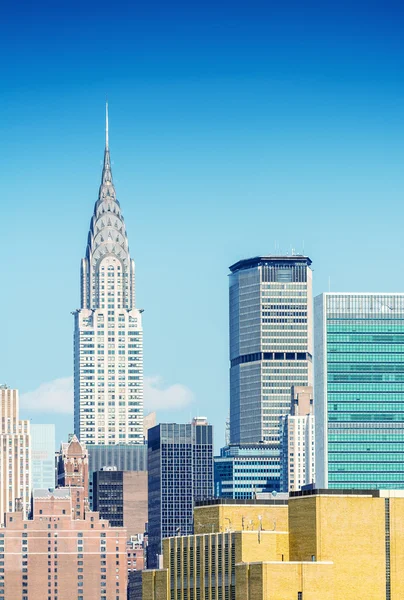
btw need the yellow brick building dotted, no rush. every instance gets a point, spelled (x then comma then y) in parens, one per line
(323, 545)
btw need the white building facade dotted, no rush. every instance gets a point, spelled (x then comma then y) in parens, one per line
(15, 455)
(271, 343)
(298, 439)
(108, 337)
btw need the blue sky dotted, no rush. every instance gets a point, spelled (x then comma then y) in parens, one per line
(235, 130)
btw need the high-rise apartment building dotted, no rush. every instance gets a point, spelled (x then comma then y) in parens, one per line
(108, 337)
(121, 498)
(55, 556)
(15, 455)
(359, 390)
(297, 453)
(43, 456)
(270, 343)
(180, 467)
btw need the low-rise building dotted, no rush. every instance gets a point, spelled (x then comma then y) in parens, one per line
(319, 545)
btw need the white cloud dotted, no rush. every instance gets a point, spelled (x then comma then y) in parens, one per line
(57, 396)
(52, 397)
(158, 397)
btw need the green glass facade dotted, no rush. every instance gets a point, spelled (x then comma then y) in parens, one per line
(359, 390)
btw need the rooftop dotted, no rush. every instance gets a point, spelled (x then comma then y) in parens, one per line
(341, 492)
(62, 493)
(243, 501)
(248, 263)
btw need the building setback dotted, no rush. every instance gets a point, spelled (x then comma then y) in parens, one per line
(108, 335)
(359, 390)
(55, 556)
(298, 455)
(180, 466)
(15, 455)
(121, 498)
(43, 455)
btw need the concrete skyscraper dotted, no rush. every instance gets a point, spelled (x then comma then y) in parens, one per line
(270, 343)
(108, 339)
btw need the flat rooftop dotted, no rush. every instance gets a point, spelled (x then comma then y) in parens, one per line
(243, 501)
(248, 263)
(341, 492)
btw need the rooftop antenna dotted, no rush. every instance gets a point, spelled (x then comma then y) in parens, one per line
(106, 126)
(329, 283)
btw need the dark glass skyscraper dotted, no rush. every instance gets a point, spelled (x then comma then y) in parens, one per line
(180, 466)
(359, 390)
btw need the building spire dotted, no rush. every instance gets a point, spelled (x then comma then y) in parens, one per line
(106, 171)
(106, 126)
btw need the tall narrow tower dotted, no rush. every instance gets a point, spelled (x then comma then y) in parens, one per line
(108, 336)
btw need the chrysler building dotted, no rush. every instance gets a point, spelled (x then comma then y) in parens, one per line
(108, 335)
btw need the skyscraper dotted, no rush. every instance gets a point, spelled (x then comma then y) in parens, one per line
(359, 390)
(43, 456)
(108, 338)
(270, 343)
(180, 466)
(15, 455)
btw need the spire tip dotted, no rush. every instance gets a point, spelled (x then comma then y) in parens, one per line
(106, 125)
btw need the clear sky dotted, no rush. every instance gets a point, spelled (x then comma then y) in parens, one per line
(236, 128)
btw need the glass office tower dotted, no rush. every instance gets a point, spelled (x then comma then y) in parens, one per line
(43, 456)
(180, 467)
(270, 343)
(359, 390)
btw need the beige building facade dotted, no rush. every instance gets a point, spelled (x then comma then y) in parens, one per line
(323, 545)
(15, 455)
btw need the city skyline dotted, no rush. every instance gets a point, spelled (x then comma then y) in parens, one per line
(211, 146)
